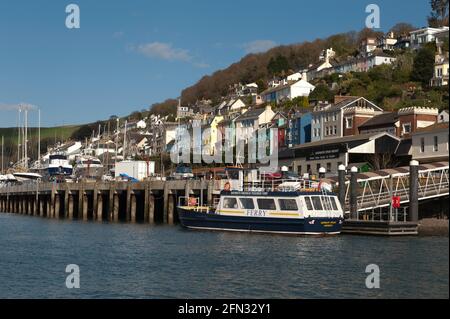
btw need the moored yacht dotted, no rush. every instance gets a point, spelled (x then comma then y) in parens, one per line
(88, 167)
(57, 164)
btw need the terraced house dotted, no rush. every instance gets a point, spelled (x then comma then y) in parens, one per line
(341, 118)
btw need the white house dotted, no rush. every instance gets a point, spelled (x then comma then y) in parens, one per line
(141, 124)
(288, 90)
(424, 35)
(250, 121)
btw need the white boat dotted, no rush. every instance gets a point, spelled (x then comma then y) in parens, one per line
(88, 167)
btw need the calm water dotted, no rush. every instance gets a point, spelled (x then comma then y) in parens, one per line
(141, 261)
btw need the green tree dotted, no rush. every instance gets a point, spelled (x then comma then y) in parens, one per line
(321, 93)
(423, 66)
(439, 13)
(277, 65)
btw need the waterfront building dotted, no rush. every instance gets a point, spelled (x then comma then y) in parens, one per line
(358, 150)
(342, 118)
(430, 144)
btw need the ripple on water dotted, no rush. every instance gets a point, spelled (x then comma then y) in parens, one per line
(142, 261)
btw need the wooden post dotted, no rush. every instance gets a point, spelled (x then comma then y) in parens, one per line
(116, 207)
(170, 208)
(128, 202)
(146, 203)
(70, 207)
(133, 207)
(41, 207)
(166, 203)
(100, 208)
(57, 207)
(66, 201)
(151, 209)
(85, 207)
(52, 201)
(111, 202)
(94, 201)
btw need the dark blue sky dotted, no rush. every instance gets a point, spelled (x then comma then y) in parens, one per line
(130, 54)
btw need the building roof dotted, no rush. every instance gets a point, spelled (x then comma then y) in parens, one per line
(251, 114)
(346, 102)
(387, 118)
(433, 128)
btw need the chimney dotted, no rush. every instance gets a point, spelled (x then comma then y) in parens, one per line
(304, 76)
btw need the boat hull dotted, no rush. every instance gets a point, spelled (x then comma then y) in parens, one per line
(295, 226)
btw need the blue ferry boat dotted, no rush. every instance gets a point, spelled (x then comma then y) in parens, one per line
(284, 210)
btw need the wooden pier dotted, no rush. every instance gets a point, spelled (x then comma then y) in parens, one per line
(150, 202)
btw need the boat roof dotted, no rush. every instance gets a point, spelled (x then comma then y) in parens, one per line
(275, 193)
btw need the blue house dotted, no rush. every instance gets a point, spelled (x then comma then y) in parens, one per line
(299, 129)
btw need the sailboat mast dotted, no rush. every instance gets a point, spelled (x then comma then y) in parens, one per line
(18, 137)
(39, 139)
(25, 139)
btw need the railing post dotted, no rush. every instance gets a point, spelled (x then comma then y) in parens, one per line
(413, 191)
(341, 179)
(354, 193)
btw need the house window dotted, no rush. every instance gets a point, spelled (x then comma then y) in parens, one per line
(335, 130)
(318, 167)
(334, 116)
(349, 122)
(436, 144)
(327, 131)
(422, 144)
(299, 169)
(328, 167)
(406, 128)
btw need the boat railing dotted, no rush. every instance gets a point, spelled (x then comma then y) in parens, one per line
(192, 202)
(285, 185)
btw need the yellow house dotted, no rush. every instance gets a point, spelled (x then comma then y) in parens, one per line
(210, 140)
(440, 76)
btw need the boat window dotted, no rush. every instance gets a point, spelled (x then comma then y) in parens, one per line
(247, 203)
(266, 203)
(308, 203)
(317, 202)
(333, 203)
(230, 202)
(288, 204)
(326, 203)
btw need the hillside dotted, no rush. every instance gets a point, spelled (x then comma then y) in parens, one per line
(277, 61)
(49, 136)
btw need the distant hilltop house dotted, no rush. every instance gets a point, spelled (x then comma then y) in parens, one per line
(287, 90)
(426, 35)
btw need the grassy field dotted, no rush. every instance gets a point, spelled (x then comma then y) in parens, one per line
(49, 135)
